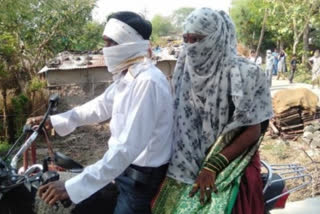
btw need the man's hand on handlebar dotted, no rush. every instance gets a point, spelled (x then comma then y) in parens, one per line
(37, 120)
(53, 192)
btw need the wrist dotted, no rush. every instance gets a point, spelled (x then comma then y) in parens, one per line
(216, 163)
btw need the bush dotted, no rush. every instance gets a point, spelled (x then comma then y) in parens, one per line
(36, 84)
(20, 109)
(4, 147)
(303, 74)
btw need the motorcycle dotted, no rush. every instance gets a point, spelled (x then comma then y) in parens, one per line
(18, 187)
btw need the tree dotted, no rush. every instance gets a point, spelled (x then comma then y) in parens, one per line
(43, 27)
(283, 22)
(178, 17)
(161, 26)
(248, 16)
(33, 31)
(8, 73)
(296, 14)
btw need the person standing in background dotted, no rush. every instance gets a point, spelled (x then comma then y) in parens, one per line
(282, 67)
(275, 62)
(253, 58)
(315, 68)
(269, 66)
(293, 64)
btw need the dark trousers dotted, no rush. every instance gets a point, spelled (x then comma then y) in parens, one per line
(292, 75)
(127, 196)
(135, 197)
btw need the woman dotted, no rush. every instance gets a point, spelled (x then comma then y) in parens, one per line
(220, 101)
(315, 68)
(282, 67)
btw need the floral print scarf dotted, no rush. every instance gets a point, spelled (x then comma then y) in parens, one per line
(215, 91)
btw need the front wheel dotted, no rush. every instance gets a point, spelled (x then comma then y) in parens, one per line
(17, 201)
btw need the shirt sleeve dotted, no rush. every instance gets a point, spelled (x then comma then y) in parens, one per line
(124, 148)
(259, 60)
(94, 111)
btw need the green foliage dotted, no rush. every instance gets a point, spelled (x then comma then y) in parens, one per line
(303, 74)
(248, 16)
(20, 107)
(36, 84)
(178, 17)
(4, 147)
(161, 26)
(89, 38)
(33, 31)
(8, 45)
(285, 24)
(8, 63)
(44, 28)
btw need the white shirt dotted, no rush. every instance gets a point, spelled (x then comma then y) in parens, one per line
(258, 61)
(141, 110)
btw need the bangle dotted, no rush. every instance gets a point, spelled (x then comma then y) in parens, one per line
(224, 158)
(216, 163)
(212, 167)
(210, 170)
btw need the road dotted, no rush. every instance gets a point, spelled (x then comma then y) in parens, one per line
(284, 84)
(310, 205)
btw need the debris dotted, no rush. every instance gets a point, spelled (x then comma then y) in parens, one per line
(296, 116)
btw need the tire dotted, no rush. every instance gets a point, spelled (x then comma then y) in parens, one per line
(17, 201)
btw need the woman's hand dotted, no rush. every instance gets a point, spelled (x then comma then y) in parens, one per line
(37, 120)
(206, 183)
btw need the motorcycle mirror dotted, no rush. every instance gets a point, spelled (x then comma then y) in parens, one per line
(54, 98)
(27, 128)
(66, 162)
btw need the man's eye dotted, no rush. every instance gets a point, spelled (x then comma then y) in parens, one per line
(185, 39)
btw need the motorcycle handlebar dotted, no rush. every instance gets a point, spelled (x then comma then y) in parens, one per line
(52, 103)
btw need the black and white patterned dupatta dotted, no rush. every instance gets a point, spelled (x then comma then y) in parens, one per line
(210, 81)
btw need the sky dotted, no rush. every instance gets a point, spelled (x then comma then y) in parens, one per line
(151, 7)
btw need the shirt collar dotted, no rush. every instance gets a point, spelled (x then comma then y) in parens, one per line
(133, 71)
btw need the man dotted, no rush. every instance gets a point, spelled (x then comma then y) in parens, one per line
(139, 104)
(282, 65)
(293, 64)
(315, 68)
(269, 66)
(275, 62)
(253, 58)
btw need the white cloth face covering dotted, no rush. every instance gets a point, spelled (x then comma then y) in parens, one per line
(131, 46)
(120, 32)
(118, 58)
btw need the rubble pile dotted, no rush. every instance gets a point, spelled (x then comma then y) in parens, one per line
(294, 113)
(291, 123)
(311, 134)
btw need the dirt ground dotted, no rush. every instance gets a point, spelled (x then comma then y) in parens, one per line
(278, 151)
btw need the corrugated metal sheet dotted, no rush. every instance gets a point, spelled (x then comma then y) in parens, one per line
(66, 61)
(75, 62)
